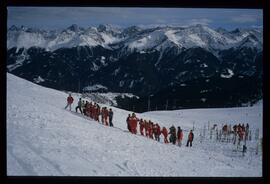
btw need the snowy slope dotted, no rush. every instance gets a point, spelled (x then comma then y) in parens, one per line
(44, 139)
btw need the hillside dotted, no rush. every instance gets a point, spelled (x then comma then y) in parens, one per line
(44, 139)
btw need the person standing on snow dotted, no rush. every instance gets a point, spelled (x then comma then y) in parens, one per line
(128, 122)
(106, 114)
(110, 117)
(141, 123)
(173, 134)
(146, 127)
(69, 102)
(150, 130)
(79, 105)
(179, 136)
(164, 131)
(190, 138)
(155, 132)
(133, 123)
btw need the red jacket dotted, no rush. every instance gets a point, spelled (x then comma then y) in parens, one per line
(180, 135)
(141, 125)
(158, 130)
(70, 99)
(190, 136)
(133, 122)
(164, 132)
(106, 113)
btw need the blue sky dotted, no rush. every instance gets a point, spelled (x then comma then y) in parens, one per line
(62, 17)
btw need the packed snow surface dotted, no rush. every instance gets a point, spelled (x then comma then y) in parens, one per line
(44, 139)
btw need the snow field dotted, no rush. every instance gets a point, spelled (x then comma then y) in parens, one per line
(44, 139)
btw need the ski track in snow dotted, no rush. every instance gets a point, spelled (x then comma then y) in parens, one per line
(45, 139)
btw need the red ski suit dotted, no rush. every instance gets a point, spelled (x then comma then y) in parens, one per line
(69, 100)
(146, 126)
(150, 131)
(88, 109)
(165, 134)
(180, 135)
(106, 115)
(133, 124)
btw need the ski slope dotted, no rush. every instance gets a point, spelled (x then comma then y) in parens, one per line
(44, 139)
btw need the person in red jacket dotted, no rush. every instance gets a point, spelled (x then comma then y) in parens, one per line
(146, 127)
(69, 102)
(190, 138)
(241, 134)
(141, 123)
(164, 131)
(87, 109)
(150, 129)
(106, 116)
(133, 123)
(179, 136)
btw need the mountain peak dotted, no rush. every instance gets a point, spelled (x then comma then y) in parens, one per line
(73, 27)
(221, 30)
(13, 28)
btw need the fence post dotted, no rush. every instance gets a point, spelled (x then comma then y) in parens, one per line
(201, 138)
(204, 130)
(257, 134)
(216, 134)
(257, 148)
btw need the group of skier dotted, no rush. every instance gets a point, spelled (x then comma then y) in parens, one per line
(92, 110)
(152, 130)
(148, 129)
(241, 131)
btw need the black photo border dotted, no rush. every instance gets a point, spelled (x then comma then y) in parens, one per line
(241, 4)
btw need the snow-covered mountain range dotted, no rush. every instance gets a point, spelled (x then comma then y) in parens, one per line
(134, 38)
(193, 66)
